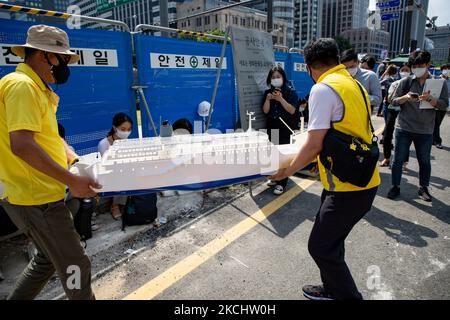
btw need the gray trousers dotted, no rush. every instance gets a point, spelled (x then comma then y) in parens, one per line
(51, 228)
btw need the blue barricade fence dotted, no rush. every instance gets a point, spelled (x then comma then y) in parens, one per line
(99, 85)
(299, 77)
(282, 59)
(295, 68)
(179, 74)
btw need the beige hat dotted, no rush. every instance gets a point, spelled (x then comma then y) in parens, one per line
(49, 39)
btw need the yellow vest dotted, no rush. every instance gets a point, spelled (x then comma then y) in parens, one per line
(354, 122)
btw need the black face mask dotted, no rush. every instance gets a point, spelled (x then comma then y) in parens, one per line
(60, 72)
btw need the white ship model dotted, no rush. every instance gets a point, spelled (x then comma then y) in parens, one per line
(187, 162)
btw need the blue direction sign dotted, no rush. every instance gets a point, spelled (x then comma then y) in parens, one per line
(388, 4)
(390, 16)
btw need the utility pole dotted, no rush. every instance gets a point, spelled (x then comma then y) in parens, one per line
(164, 16)
(269, 16)
(408, 24)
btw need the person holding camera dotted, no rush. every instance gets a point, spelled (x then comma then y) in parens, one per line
(280, 104)
(339, 130)
(415, 125)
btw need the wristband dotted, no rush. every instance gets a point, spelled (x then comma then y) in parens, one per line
(73, 161)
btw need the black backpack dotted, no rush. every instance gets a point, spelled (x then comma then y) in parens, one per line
(139, 210)
(83, 218)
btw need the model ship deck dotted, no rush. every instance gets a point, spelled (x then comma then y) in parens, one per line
(157, 148)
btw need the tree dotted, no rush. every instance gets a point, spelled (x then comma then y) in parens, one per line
(215, 32)
(343, 43)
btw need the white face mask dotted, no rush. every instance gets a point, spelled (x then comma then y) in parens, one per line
(419, 72)
(277, 83)
(353, 71)
(446, 72)
(404, 74)
(122, 134)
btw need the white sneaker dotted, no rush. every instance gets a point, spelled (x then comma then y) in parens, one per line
(278, 190)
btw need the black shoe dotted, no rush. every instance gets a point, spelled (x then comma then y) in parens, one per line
(393, 193)
(439, 146)
(424, 194)
(316, 293)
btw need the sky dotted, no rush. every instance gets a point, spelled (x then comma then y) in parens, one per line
(438, 8)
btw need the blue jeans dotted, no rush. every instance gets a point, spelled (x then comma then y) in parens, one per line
(422, 143)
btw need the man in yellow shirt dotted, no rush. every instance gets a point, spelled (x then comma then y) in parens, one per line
(335, 102)
(34, 166)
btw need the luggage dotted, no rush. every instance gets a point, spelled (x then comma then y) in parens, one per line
(140, 209)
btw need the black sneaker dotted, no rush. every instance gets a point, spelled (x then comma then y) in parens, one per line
(316, 293)
(424, 194)
(439, 146)
(393, 193)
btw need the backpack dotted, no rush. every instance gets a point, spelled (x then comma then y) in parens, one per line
(83, 218)
(394, 86)
(140, 209)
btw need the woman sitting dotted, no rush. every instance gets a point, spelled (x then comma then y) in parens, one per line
(121, 129)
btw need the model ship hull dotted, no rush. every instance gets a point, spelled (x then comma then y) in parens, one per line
(181, 165)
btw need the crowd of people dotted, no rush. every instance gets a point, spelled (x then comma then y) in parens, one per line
(35, 160)
(335, 104)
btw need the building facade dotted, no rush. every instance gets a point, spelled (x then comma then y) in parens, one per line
(440, 54)
(407, 32)
(237, 16)
(284, 10)
(338, 16)
(132, 13)
(307, 22)
(365, 40)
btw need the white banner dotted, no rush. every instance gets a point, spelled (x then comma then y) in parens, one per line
(179, 61)
(88, 57)
(280, 64)
(300, 67)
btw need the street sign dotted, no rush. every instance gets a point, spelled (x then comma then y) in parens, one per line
(104, 5)
(390, 16)
(388, 4)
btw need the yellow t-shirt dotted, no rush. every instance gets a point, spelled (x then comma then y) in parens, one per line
(26, 103)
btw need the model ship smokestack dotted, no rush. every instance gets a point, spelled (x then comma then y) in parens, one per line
(250, 119)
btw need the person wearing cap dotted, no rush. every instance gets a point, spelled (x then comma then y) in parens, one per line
(368, 79)
(34, 166)
(382, 67)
